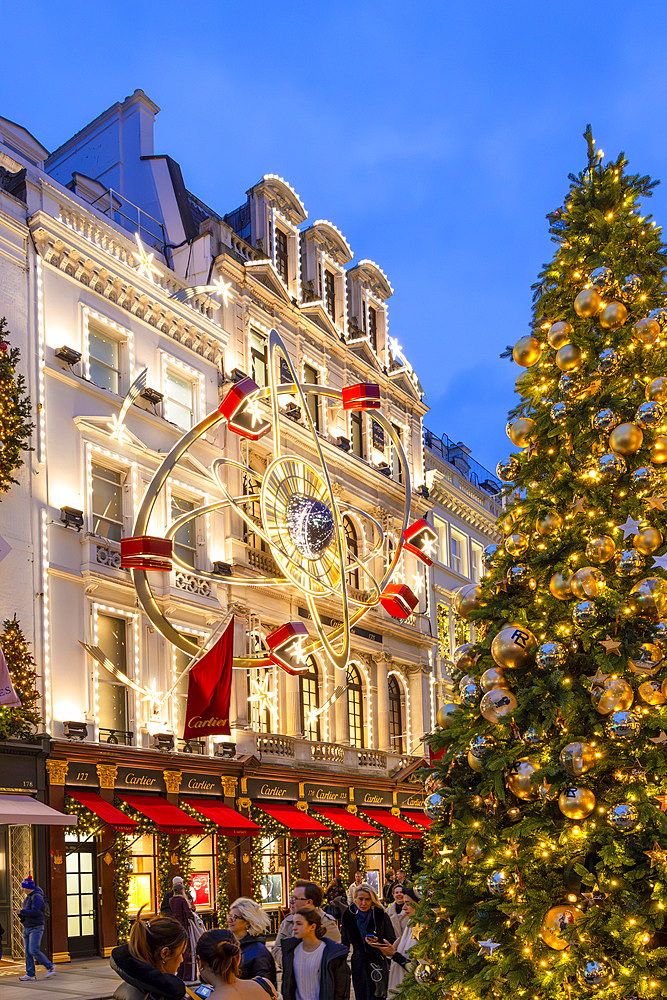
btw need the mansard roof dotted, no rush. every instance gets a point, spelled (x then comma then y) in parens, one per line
(330, 238)
(373, 277)
(284, 195)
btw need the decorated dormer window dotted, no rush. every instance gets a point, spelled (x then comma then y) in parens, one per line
(324, 254)
(368, 291)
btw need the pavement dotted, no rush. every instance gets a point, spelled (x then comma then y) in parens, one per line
(86, 979)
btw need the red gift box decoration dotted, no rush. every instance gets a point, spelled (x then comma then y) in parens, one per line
(286, 645)
(362, 396)
(240, 408)
(146, 552)
(398, 600)
(421, 539)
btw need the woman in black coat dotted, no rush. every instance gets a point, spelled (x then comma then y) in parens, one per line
(364, 924)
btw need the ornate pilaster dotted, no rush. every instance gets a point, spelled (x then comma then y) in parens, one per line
(172, 780)
(107, 774)
(57, 771)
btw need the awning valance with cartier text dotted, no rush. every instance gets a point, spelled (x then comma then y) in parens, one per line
(349, 822)
(394, 823)
(109, 814)
(167, 818)
(228, 820)
(299, 823)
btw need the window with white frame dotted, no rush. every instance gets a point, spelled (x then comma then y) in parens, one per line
(185, 539)
(112, 694)
(282, 255)
(459, 552)
(179, 398)
(258, 358)
(107, 501)
(396, 467)
(355, 705)
(475, 562)
(396, 728)
(311, 376)
(357, 433)
(330, 293)
(309, 691)
(180, 696)
(104, 358)
(441, 528)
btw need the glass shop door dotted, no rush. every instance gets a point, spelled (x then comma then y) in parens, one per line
(81, 897)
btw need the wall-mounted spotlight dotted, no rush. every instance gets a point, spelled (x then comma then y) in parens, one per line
(68, 355)
(75, 730)
(222, 568)
(163, 741)
(71, 517)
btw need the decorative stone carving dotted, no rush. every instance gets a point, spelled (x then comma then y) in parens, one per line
(107, 773)
(172, 780)
(352, 809)
(57, 771)
(228, 785)
(244, 803)
(302, 806)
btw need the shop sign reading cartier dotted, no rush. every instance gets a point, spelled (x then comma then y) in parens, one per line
(332, 795)
(200, 783)
(273, 788)
(372, 797)
(135, 778)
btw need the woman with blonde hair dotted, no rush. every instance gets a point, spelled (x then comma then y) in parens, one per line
(149, 963)
(249, 923)
(218, 955)
(399, 951)
(363, 925)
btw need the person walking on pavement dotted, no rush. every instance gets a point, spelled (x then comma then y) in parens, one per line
(314, 966)
(303, 894)
(249, 923)
(358, 880)
(363, 926)
(32, 917)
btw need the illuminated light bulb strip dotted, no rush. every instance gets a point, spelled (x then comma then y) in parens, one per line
(41, 357)
(369, 699)
(46, 621)
(408, 707)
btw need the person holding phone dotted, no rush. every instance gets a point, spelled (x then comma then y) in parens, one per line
(363, 926)
(399, 951)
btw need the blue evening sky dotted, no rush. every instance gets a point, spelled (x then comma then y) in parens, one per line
(436, 136)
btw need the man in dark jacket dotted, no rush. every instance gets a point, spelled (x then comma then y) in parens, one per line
(334, 970)
(32, 918)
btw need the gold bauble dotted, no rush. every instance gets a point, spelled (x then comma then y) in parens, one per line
(659, 450)
(559, 334)
(559, 585)
(506, 523)
(468, 599)
(521, 431)
(615, 695)
(600, 549)
(645, 331)
(445, 714)
(492, 678)
(475, 763)
(497, 704)
(475, 847)
(647, 661)
(577, 758)
(587, 582)
(513, 647)
(626, 439)
(568, 357)
(556, 922)
(576, 803)
(518, 779)
(548, 523)
(516, 544)
(649, 598)
(648, 540)
(527, 351)
(587, 302)
(651, 693)
(656, 390)
(613, 315)
(521, 384)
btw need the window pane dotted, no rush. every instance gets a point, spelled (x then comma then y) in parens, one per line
(356, 425)
(258, 360)
(103, 354)
(311, 377)
(355, 707)
(112, 640)
(281, 253)
(310, 701)
(113, 706)
(185, 539)
(107, 502)
(179, 407)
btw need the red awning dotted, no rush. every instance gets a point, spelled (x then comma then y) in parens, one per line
(347, 821)
(167, 818)
(420, 819)
(301, 824)
(393, 823)
(108, 813)
(228, 820)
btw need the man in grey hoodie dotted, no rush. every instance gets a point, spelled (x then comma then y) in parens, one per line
(303, 894)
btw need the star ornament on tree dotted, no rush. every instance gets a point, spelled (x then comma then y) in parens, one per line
(577, 506)
(610, 646)
(631, 527)
(659, 740)
(488, 947)
(662, 799)
(655, 503)
(660, 562)
(657, 855)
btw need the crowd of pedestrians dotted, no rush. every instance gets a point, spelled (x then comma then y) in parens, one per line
(329, 940)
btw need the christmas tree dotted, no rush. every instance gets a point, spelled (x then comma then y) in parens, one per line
(15, 426)
(549, 787)
(19, 723)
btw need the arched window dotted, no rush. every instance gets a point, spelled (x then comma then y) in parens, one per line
(309, 687)
(355, 706)
(353, 549)
(395, 716)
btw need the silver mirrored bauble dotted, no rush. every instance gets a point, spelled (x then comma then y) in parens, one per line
(660, 631)
(434, 805)
(601, 278)
(584, 613)
(507, 470)
(660, 317)
(550, 656)
(605, 420)
(570, 385)
(649, 415)
(463, 656)
(519, 575)
(623, 817)
(559, 413)
(490, 555)
(469, 695)
(594, 975)
(533, 737)
(610, 467)
(432, 783)
(629, 562)
(481, 746)
(423, 972)
(465, 680)
(310, 525)
(645, 479)
(608, 361)
(630, 286)
(502, 884)
(622, 726)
